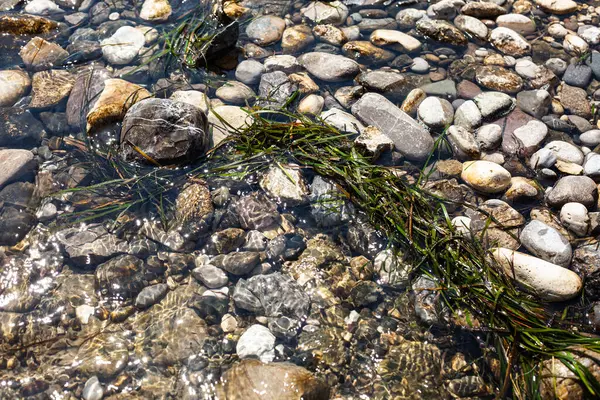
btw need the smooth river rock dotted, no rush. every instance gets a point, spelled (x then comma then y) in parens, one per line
(329, 67)
(547, 243)
(486, 176)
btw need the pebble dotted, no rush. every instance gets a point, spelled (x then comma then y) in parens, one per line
(557, 6)
(468, 116)
(329, 67)
(236, 93)
(489, 136)
(419, 65)
(92, 390)
(574, 216)
(436, 112)
(548, 281)
(155, 10)
(265, 30)
(509, 42)
(151, 295)
(249, 71)
(486, 176)
(575, 45)
(318, 12)
(211, 276)
(547, 243)
(256, 342)
(311, 104)
(15, 165)
(123, 46)
(493, 104)
(578, 75)
(573, 189)
(15, 84)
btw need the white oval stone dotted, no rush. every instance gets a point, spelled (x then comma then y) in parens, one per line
(486, 176)
(548, 281)
(575, 217)
(575, 45)
(123, 46)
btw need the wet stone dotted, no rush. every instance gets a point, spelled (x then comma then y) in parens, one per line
(211, 276)
(151, 295)
(121, 277)
(240, 263)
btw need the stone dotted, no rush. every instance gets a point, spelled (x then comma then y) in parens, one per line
(193, 97)
(210, 276)
(579, 75)
(407, 18)
(410, 139)
(441, 31)
(311, 104)
(275, 89)
(366, 53)
(546, 243)
(265, 30)
(15, 165)
(463, 143)
(113, 102)
(590, 138)
(575, 45)
(296, 38)
(550, 282)
(472, 26)
(559, 7)
(42, 7)
(373, 142)
(163, 131)
(574, 100)
(522, 190)
(489, 136)
(556, 65)
(566, 152)
(222, 119)
(589, 33)
(256, 211)
(151, 295)
(493, 104)
(88, 86)
(436, 112)
(256, 342)
(237, 263)
(486, 176)
(573, 189)
(498, 79)
(15, 84)
(509, 42)
(330, 34)
(519, 23)
(395, 40)
(328, 206)
(488, 10)
(249, 71)
(92, 390)
(591, 167)
(248, 378)
(342, 121)
(50, 88)
(283, 62)
(156, 10)
(285, 184)
(390, 83)
(236, 93)
(413, 100)
(123, 46)
(445, 88)
(334, 13)
(39, 54)
(391, 269)
(468, 116)
(23, 24)
(531, 136)
(419, 65)
(575, 217)
(534, 102)
(121, 277)
(193, 203)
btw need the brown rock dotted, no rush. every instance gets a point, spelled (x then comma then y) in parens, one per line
(499, 79)
(49, 88)
(467, 90)
(248, 379)
(367, 53)
(39, 54)
(193, 202)
(24, 24)
(575, 101)
(114, 101)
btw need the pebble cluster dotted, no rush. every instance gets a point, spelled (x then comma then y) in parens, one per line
(280, 279)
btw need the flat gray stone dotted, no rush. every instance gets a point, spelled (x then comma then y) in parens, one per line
(546, 243)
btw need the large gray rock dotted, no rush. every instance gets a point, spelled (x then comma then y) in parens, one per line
(573, 189)
(546, 243)
(329, 67)
(275, 89)
(15, 164)
(410, 139)
(257, 342)
(164, 130)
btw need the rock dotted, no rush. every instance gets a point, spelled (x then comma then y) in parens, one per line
(409, 138)
(578, 75)
(193, 97)
(151, 295)
(234, 117)
(155, 10)
(366, 53)
(573, 189)
(574, 100)
(296, 39)
(328, 206)
(574, 216)
(590, 138)
(559, 7)
(342, 121)
(493, 104)
(92, 390)
(123, 46)
(517, 22)
(547, 243)
(472, 26)
(330, 34)
(486, 176)
(283, 62)
(286, 185)
(373, 142)
(522, 190)
(531, 136)
(15, 84)
(534, 102)
(113, 102)
(318, 12)
(265, 30)
(509, 42)
(548, 281)
(441, 31)
(256, 342)
(210, 276)
(389, 83)
(468, 116)
(407, 18)
(88, 86)
(235, 92)
(249, 71)
(413, 100)
(193, 203)
(239, 263)
(445, 88)
(498, 79)
(15, 165)
(166, 131)
(483, 10)
(256, 211)
(566, 152)
(589, 33)
(121, 277)
(248, 378)
(311, 104)
(23, 24)
(556, 65)
(436, 112)
(575, 45)
(395, 40)
(50, 88)
(489, 136)
(275, 89)
(419, 65)
(39, 55)
(463, 143)
(391, 269)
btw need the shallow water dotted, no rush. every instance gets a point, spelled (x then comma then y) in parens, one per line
(177, 297)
